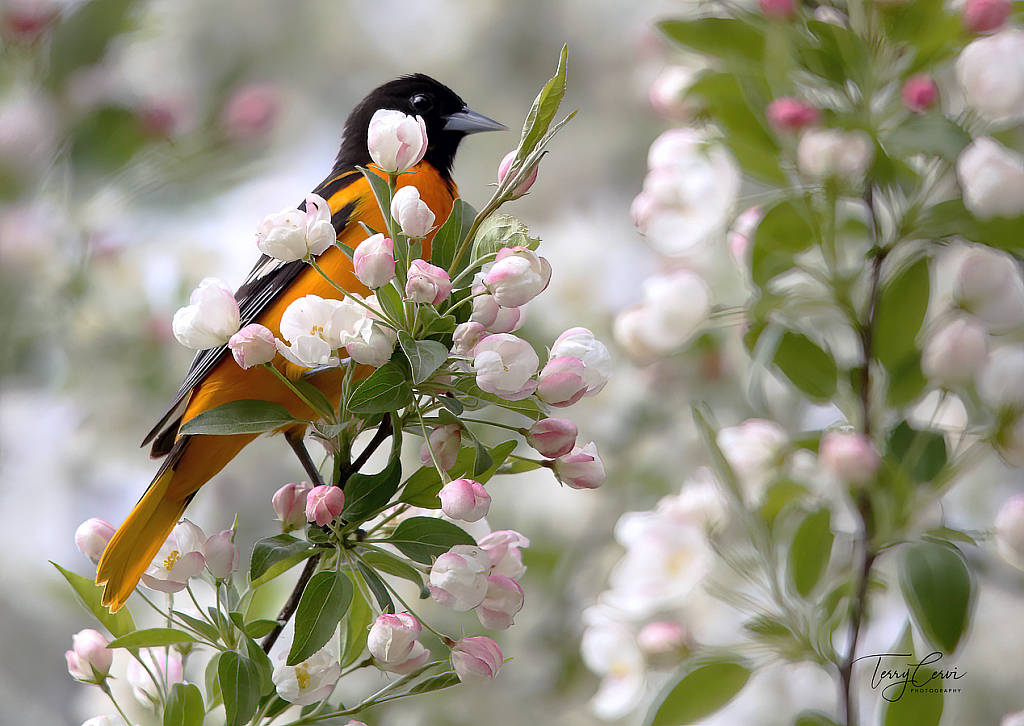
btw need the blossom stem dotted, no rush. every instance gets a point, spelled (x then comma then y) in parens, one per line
(328, 415)
(378, 313)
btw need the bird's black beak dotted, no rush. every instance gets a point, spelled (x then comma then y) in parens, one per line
(470, 122)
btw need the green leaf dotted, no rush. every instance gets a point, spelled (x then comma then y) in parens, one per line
(82, 38)
(544, 108)
(247, 416)
(259, 627)
(931, 135)
(899, 314)
(777, 497)
(739, 107)
(436, 683)
(263, 665)
(357, 621)
(939, 592)
(809, 554)
(450, 234)
(482, 460)
(699, 693)
(425, 356)
(367, 494)
(378, 588)
(381, 191)
(201, 626)
(324, 602)
(151, 638)
(922, 454)
(184, 706)
(424, 538)
(907, 383)
(107, 139)
(89, 594)
(391, 565)
(920, 707)
(499, 231)
(951, 219)
(271, 550)
(807, 366)
(321, 404)
(727, 38)
(239, 680)
(384, 390)
(528, 407)
(782, 233)
(391, 302)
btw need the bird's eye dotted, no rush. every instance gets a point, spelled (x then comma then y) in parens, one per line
(421, 103)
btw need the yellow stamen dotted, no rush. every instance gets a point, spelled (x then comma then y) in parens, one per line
(302, 676)
(171, 560)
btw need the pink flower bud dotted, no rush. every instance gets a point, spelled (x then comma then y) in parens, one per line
(492, 316)
(919, 93)
(417, 658)
(464, 499)
(778, 9)
(983, 16)
(504, 599)
(412, 213)
(955, 353)
(253, 345)
(458, 578)
(445, 442)
(477, 659)
(552, 437)
(991, 175)
(989, 285)
(324, 503)
(562, 381)
(832, 153)
(505, 365)
(250, 112)
(465, 338)
(581, 343)
(374, 261)
(392, 637)
(289, 504)
(92, 536)
(524, 186)
(221, 554)
(427, 283)
(790, 115)
(210, 318)
(1009, 531)
(664, 643)
(849, 457)
(581, 468)
(504, 550)
(396, 142)
(517, 276)
(89, 659)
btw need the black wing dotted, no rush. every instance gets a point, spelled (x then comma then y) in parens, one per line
(268, 278)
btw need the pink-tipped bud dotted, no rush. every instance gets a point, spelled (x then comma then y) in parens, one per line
(849, 457)
(374, 261)
(984, 16)
(919, 93)
(464, 499)
(665, 643)
(393, 637)
(89, 659)
(790, 115)
(581, 468)
(324, 503)
(476, 659)
(92, 536)
(562, 381)
(778, 9)
(504, 599)
(524, 186)
(444, 442)
(427, 283)
(552, 437)
(221, 554)
(253, 345)
(289, 504)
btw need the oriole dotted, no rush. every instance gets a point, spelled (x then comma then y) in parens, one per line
(214, 378)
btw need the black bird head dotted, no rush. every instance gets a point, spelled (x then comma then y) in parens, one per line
(447, 118)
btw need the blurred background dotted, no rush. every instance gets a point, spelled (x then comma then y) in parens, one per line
(141, 141)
